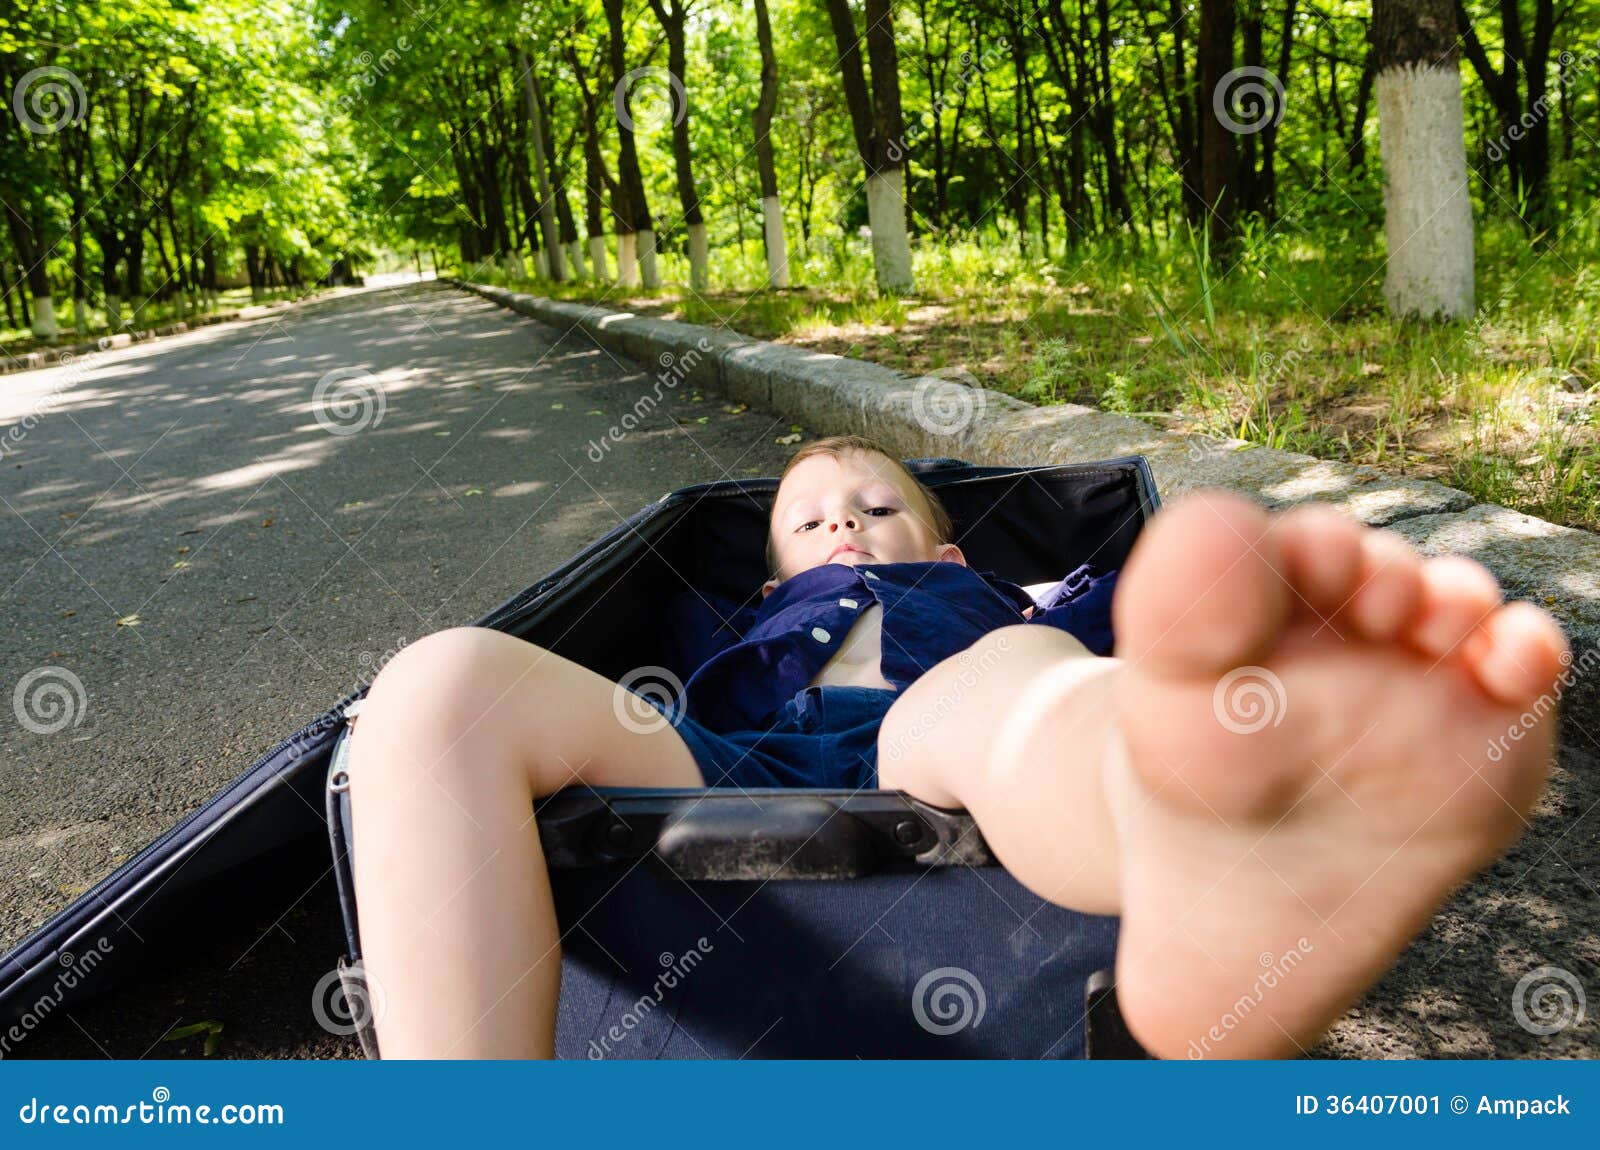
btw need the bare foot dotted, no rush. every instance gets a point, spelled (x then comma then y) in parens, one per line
(1317, 725)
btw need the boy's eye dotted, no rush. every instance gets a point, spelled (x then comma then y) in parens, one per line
(885, 510)
(873, 511)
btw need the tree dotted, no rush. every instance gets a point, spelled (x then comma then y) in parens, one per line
(766, 165)
(1427, 209)
(880, 135)
(547, 206)
(672, 16)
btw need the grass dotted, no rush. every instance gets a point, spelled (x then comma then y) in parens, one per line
(1283, 342)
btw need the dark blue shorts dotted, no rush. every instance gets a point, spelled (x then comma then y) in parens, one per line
(825, 736)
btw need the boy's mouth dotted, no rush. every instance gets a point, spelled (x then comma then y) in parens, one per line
(845, 548)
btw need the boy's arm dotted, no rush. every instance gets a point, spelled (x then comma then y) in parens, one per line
(1081, 607)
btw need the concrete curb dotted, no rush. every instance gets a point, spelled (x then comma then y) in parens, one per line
(1555, 567)
(51, 356)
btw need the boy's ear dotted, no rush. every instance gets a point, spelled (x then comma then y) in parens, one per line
(950, 553)
(769, 587)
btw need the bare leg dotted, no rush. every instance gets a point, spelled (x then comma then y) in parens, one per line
(1288, 766)
(458, 735)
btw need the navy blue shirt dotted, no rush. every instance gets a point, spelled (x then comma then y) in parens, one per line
(930, 611)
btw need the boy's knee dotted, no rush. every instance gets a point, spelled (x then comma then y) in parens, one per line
(450, 668)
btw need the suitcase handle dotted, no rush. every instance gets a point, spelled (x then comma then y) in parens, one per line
(755, 834)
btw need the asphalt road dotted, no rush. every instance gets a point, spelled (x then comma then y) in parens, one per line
(271, 562)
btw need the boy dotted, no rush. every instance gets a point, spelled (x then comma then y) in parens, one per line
(1118, 785)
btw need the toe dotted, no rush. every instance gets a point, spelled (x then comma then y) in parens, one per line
(1522, 654)
(1203, 590)
(1321, 556)
(1388, 589)
(1457, 595)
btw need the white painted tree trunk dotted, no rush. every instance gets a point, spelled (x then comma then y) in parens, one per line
(699, 259)
(627, 262)
(597, 257)
(44, 317)
(886, 215)
(541, 264)
(1426, 206)
(575, 258)
(80, 315)
(513, 266)
(777, 247)
(113, 313)
(648, 275)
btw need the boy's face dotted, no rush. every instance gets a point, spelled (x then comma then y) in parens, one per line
(854, 508)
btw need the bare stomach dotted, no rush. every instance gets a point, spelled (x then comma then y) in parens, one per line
(859, 660)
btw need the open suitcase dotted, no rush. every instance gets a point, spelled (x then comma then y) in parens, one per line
(723, 924)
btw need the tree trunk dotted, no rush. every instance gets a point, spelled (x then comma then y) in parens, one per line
(636, 247)
(672, 22)
(23, 224)
(547, 205)
(880, 135)
(1218, 160)
(766, 165)
(1427, 209)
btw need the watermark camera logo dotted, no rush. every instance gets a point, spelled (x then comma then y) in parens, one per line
(49, 699)
(49, 99)
(1248, 699)
(74, 969)
(973, 668)
(646, 699)
(675, 368)
(1248, 100)
(664, 99)
(1547, 1000)
(344, 1005)
(941, 407)
(947, 1000)
(675, 968)
(1545, 703)
(1275, 970)
(348, 400)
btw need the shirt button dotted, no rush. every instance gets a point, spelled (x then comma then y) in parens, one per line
(848, 603)
(869, 575)
(820, 635)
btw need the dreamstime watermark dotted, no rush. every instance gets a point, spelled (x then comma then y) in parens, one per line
(49, 99)
(1545, 703)
(972, 669)
(73, 968)
(72, 369)
(347, 1001)
(347, 400)
(371, 664)
(1248, 100)
(896, 150)
(634, 693)
(1248, 699)
(1499, 149)
(1547, 1000)
(948, 1000)
(675, 368)
(677, 967)
(942, 407)
(49, 699)
(372, 69)
(659, 85)
(1278, 967)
